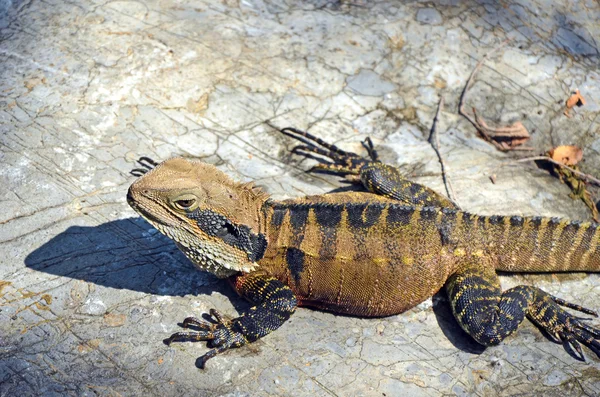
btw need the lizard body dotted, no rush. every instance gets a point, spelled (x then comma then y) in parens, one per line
(368, 254)
(369, 258)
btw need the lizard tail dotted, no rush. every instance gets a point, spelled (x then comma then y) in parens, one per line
(540, 244)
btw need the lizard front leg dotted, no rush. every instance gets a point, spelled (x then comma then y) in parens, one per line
(275, 303)
(377, 177)
(490, 315)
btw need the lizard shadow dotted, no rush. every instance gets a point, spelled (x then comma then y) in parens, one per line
(126, 254)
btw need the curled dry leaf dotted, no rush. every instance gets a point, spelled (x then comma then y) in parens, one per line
(504, 138)
(567, 154)
(574, 100)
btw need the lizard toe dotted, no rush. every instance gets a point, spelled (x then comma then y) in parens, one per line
(548, 314)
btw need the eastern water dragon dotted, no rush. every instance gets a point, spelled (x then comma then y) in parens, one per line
(369, 254)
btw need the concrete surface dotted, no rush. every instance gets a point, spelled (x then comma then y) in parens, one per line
(88, 290)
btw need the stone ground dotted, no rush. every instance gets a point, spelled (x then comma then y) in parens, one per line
(88, 290)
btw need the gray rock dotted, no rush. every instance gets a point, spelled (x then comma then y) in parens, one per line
(369, 83)
(88, 290)
(429, 16)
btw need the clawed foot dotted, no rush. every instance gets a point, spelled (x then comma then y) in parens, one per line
(548, 314)
(341, 161)
(147, 163)
(218, 333)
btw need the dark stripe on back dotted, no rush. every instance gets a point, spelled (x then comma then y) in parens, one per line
(481, 221)
(468, 219)
(295, 261)
(258, 247)
(516, 221)
(428, 214)
(298, 217)
(415, 189)
(278, 215)
(536, 221)
(449, 216)
(568, 236)
(534, 237)
(496, 220)
(363, 215)
(445, 231)
(422, 198)
(328, 216)
(372, 214)
(399, 215)
(569, 231)
(586, 243)
(546, 239)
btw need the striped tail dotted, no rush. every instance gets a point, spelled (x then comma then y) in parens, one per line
(540, 244)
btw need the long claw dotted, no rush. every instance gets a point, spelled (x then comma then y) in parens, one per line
(573, 306)
(571, 330)
(196, 322)
(343, 162)
(294, 132)
(368, 145)
(572, 342)
(201, 361)
(147, 163)
(593, 331)
(595, 347)
(138, 171)
(317, 150)
(217, 316)
(193, 335)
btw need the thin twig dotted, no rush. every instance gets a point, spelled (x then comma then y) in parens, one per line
(582, 175)
(435, 143)
(461, 104)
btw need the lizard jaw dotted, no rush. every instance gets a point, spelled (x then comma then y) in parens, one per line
(206, 254)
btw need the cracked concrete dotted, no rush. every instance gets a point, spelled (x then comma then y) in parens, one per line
(88, 290)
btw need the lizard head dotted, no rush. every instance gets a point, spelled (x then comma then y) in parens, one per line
(214, 220)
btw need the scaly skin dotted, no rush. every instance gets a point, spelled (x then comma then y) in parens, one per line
(367, 254)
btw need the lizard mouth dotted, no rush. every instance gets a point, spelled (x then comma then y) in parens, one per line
(139, 202)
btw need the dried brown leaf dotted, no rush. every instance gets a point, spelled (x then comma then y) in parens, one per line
(505, 138)
(575, 100)
(567, 154)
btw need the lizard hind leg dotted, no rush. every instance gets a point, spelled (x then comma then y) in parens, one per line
(490, 315)
(379, 178)
(342, 162)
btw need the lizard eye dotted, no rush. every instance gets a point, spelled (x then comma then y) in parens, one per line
(185, 204)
